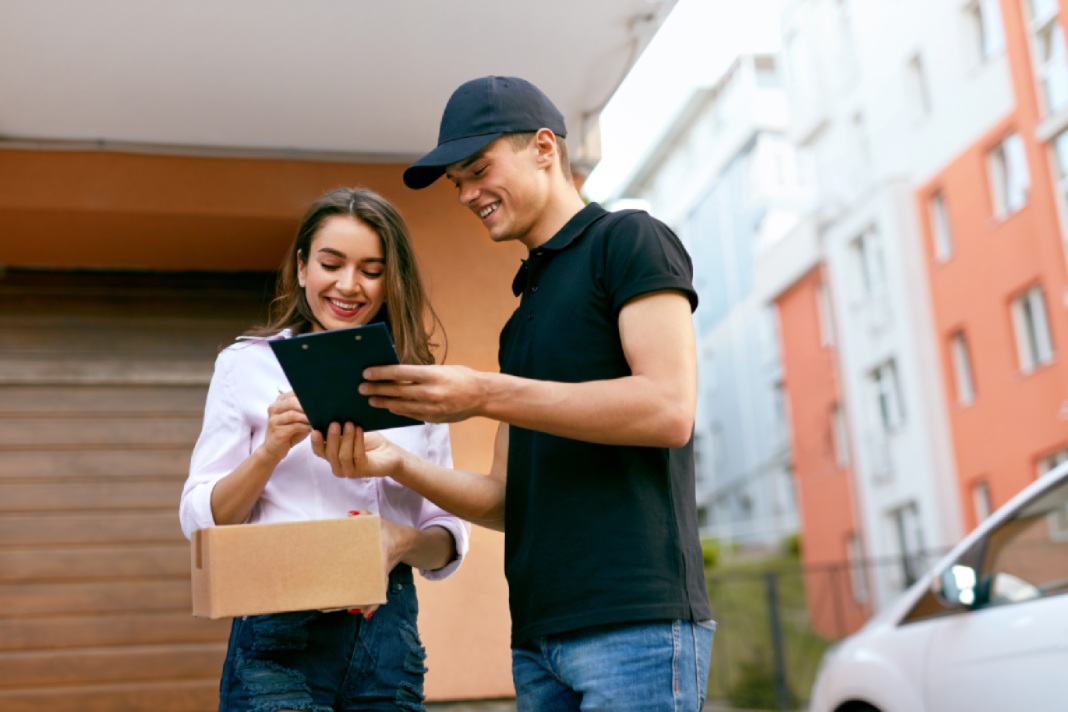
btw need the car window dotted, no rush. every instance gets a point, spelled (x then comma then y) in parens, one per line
(1027, 556)
(1024, 558)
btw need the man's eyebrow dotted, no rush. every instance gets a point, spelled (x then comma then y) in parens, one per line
(465, 163)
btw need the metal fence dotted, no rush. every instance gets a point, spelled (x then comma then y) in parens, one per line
(775, 620)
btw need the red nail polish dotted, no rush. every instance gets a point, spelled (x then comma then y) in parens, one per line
(356, 611)
(353, 513)
(370, 614)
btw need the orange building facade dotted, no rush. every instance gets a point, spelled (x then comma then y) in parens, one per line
(998, 286)
(835, 580)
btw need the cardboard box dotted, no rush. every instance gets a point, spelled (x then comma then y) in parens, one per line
(249, 569)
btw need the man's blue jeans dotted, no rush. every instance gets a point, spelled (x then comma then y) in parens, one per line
(660, 666)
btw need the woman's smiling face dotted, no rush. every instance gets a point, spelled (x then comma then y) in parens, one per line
(343, 275)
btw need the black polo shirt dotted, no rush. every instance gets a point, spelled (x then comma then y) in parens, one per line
(595, 534)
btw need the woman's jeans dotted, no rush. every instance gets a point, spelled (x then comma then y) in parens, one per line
(328, 662)
(641, 667)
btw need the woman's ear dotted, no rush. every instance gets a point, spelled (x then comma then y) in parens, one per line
(302, 269)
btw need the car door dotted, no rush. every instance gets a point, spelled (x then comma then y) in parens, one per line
(1009, 649)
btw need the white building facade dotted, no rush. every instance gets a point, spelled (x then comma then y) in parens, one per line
(881, 96)
(723, 176)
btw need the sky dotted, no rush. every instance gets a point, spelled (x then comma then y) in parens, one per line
(691, 49)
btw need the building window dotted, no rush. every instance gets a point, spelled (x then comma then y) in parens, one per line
(764, 71)
(1048, 463)
(943, 238)
(800, 73)
(713, 454)
(1060, 153)
(860, 143)
(1009, 176)
(988, 34)
(1060, 162)
(1034, 345)
(848, 59)
(919, 95)
(868, 252)
(1051, 65)
(780, 409)
(706, 369)
(857, 575)
(769, 338)
(981, 500)
(839, 437)
(962, 369)
(823, 315)
(1042, 11)
(908, 531)
(887, 396)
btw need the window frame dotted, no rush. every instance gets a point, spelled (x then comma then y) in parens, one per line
(1031, 329)
(963, 371)
(1009, 176)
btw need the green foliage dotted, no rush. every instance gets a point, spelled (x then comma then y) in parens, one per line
(710, 553)
(792, 546)
(754, 687)
(742, 654)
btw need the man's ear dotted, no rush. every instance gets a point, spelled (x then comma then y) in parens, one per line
(545, 148)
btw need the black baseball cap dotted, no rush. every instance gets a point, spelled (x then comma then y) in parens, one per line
(478, 113)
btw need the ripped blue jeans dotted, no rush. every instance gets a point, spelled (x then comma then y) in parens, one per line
(328, 662)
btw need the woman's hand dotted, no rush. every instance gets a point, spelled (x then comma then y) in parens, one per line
(234, 496)
(394, 545)
(353, 453)
(430, 548)
(287, 425)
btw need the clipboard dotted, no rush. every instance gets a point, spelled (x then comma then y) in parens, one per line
(325, 368)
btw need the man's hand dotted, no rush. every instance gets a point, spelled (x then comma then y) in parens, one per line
(353, 453)
(435, 394)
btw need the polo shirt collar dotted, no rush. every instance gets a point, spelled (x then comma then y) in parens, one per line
(560, 241)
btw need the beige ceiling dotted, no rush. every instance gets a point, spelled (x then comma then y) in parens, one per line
(362, 79)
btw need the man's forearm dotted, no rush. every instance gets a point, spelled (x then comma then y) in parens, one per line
(627, 411)
(475, 497)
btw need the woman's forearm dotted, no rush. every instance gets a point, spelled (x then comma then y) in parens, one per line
(234, 496)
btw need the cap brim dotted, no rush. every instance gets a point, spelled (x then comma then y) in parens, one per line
(432, 166)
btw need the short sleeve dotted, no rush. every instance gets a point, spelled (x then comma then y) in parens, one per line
(644, 255)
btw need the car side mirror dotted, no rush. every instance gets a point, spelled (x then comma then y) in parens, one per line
(956, 586)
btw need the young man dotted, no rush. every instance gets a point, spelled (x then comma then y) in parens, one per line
(592, 479)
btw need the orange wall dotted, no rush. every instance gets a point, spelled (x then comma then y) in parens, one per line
(61, 210)
(824, 494)
(1016, 419)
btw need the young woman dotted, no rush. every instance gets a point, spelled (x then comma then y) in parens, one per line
(350, 264)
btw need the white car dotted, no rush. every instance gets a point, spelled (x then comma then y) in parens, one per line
(984, 630)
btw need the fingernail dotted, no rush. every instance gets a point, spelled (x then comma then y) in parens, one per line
(356, 611)
(353, 513)
(369, 615)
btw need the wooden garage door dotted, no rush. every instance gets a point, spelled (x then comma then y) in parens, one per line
(102, 385)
